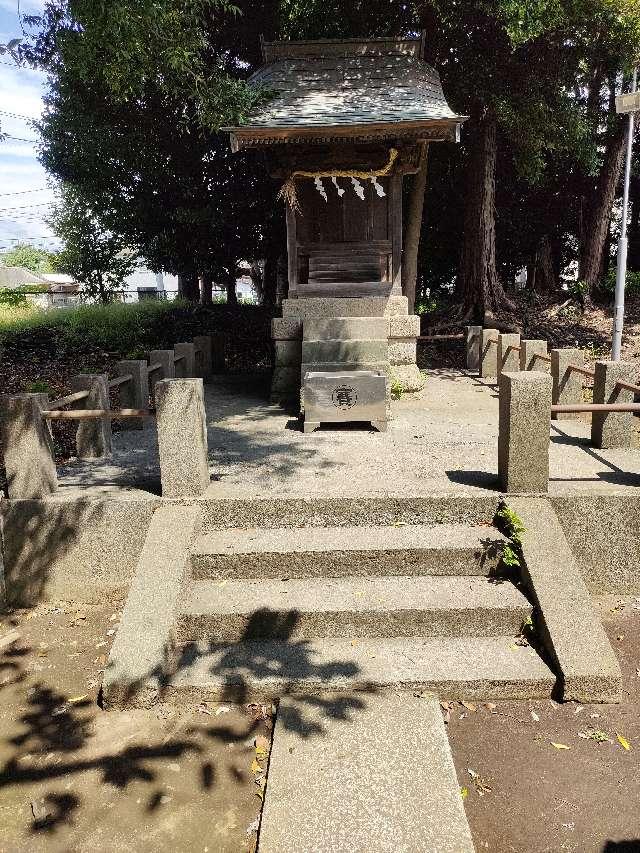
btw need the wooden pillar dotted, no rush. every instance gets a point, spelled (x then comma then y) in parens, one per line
(395, 222)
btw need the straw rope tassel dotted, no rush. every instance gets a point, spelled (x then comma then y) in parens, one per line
(288, 189)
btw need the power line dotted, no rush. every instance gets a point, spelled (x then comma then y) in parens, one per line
(19, 138)
(17, 115)
(24, 192)
(25, 206)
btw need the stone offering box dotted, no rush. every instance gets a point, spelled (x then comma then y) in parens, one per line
(345, 397)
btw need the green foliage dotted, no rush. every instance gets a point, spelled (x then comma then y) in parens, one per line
(578, 290)
(39, 387)
(511, 523)
(30, 257)
(97, 258)
(510, 556)
(12, 297)
(632, 282)
(397, 389)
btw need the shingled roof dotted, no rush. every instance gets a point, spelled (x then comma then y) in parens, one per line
(328, 89)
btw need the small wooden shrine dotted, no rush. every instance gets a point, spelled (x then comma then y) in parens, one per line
(345, 122)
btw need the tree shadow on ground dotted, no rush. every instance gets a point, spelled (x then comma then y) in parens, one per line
(615, 475)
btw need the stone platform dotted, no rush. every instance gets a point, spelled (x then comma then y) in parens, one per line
(442, 441)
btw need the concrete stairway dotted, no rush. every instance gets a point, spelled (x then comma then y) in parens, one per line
(266, 612)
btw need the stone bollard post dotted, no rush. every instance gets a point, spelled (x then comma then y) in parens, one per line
(489, 354)
(612, 429)
(508, 358)
(93, 438)
(218, 353)
(163, 357)
(528, 351)
(567, 384)
(182, 437)
(28, 447)
(186, 367)
(474, 345)
(203, 345)
(135, 393)
(523, 433)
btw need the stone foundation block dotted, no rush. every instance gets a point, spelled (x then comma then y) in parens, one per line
(567, 384)
(135, 393)
(613, 429)
(349, 306)
(402, 351)
(93, 437)
(182, 437)
(163, 357)
(529, 349)
(28, 448)
(286, 328)
(523, 432)
(288, 353)
(404, 327)
(409, 376)
(489, 354)
(508, 356)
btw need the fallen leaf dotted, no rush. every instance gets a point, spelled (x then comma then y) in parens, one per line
(490, 706)
(624, 743)
(464, 793)
(560, 745)
(77, 699)
(202, 709)
(223, 709)
(262, 742)
(9, 639)
(595, 734)
(256, 767)
(535, 717)
(253, 826)
(469, 706)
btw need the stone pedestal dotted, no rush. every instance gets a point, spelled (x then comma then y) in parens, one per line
(529, 349)
(473, 346)
(613, 429)
(163, 357)
(363, 319)
(182, 437)
(489, 354)
(567, 384)
(135, 393)
(93, 438)
(186, 367)
(345, 397)
(523, 434)
(204, 359)
(28, 448)
(508, 355)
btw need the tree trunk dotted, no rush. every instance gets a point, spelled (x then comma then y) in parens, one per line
(232, 297)
(479, 287)
(545, 274)
(595, 233)
(188, 287)
(413, 227)
(206, 285)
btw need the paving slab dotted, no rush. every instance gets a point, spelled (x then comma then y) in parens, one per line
(351, 607)
(453, 667)
(378, 780)
(405, 549)
(141, 652)
(570, 626)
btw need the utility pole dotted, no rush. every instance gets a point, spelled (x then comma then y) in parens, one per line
(629, 103)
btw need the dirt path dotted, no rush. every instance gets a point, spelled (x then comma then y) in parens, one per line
(75, 778)
(528, 796)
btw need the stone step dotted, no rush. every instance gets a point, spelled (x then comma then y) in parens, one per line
(453, 667)
(232, 611)
(445, 549)
(346, 328)
(363, 773)
(353, 350)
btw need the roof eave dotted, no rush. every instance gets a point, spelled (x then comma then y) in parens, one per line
(249, 136)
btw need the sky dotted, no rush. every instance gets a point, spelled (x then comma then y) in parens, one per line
(25, 193)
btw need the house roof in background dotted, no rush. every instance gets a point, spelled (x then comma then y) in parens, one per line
(346, 88)
(19, 277)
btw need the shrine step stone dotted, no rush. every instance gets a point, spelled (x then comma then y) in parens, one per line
(410, 549)
(346, 328)
(453, 667)
(351, 351)
(382, 606)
